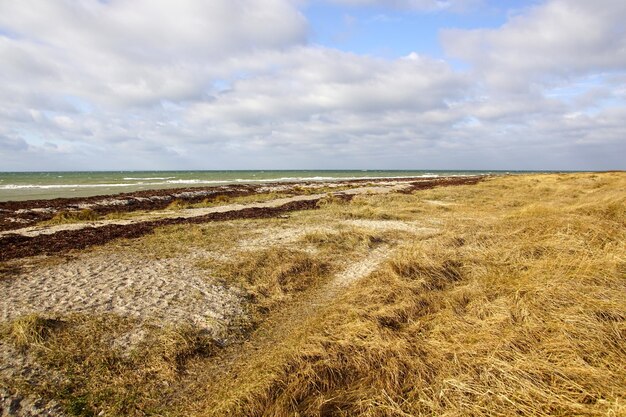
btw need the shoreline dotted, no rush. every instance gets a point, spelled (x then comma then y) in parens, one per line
(19, 214)
(36, 186)
(16, 244)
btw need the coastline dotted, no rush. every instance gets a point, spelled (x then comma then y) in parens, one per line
(21, 239)
(17, 186)
(237, 305)
(17, 214)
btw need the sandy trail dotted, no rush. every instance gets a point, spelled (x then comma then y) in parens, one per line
(194, 212)
(217, 378)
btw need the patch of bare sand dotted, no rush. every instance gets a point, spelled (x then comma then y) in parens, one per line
(290, 234)
(152, 291)
(439, 203)
(280, 236)
(358, 270)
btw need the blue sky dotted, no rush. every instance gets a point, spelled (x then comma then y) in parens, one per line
(391, 32)
(328, 84)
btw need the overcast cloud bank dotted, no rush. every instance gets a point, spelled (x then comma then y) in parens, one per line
(238, 84)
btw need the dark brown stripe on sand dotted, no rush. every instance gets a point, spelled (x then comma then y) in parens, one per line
(17, 246)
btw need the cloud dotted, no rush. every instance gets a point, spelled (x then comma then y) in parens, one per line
(236, 84)
(12, 143)
(310, 82)
(138, 51)
(545, 44)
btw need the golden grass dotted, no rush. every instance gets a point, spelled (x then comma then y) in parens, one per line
(271, 276)
(72, 216)
(179, 240)
(90, 373)
(221, 200)
(344, 241)
(30, 330)
(515, 306)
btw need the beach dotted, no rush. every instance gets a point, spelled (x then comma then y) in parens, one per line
(413, 295)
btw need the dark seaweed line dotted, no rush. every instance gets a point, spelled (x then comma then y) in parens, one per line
(15, 246)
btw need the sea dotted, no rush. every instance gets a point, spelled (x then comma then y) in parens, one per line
(20, 186)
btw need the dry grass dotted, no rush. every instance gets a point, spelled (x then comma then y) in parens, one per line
(72, 216)
(90, 372)
(382, 207)
(179, 240)
(515, 307)
(341, 242)
(30, 330)
(270, 277)
(221, 200)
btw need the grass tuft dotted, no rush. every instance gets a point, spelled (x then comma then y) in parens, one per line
(31, 330)
(343, 241)
(73, 216)
(270, 277)
(171, 347)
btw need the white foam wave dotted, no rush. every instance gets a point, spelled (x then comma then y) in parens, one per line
(207, 182)
(197, 182)
(295, 179)
(148, 178)
(51, 186)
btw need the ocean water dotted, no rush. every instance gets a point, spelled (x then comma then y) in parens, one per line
(21, 186)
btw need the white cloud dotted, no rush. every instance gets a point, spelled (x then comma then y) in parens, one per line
(234, 84)
(546, 43)
(136, 51)
(308, 82)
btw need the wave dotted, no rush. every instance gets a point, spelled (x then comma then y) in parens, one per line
(284, 179)
(198, 181)
(169, 181)
(49, 186)
(148, 178)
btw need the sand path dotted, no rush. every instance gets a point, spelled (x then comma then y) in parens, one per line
(217, 377)
(238, 360)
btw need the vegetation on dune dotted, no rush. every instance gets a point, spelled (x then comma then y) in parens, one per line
(222, 199)
(271, 276)
(73, 216)
(344, 241)
(89, 372)
(514, 306)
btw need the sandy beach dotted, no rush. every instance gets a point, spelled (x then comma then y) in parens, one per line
(224, 301)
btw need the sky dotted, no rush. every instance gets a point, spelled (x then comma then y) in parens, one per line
(306, 84)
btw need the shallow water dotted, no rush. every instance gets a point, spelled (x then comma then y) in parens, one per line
(44, 185)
